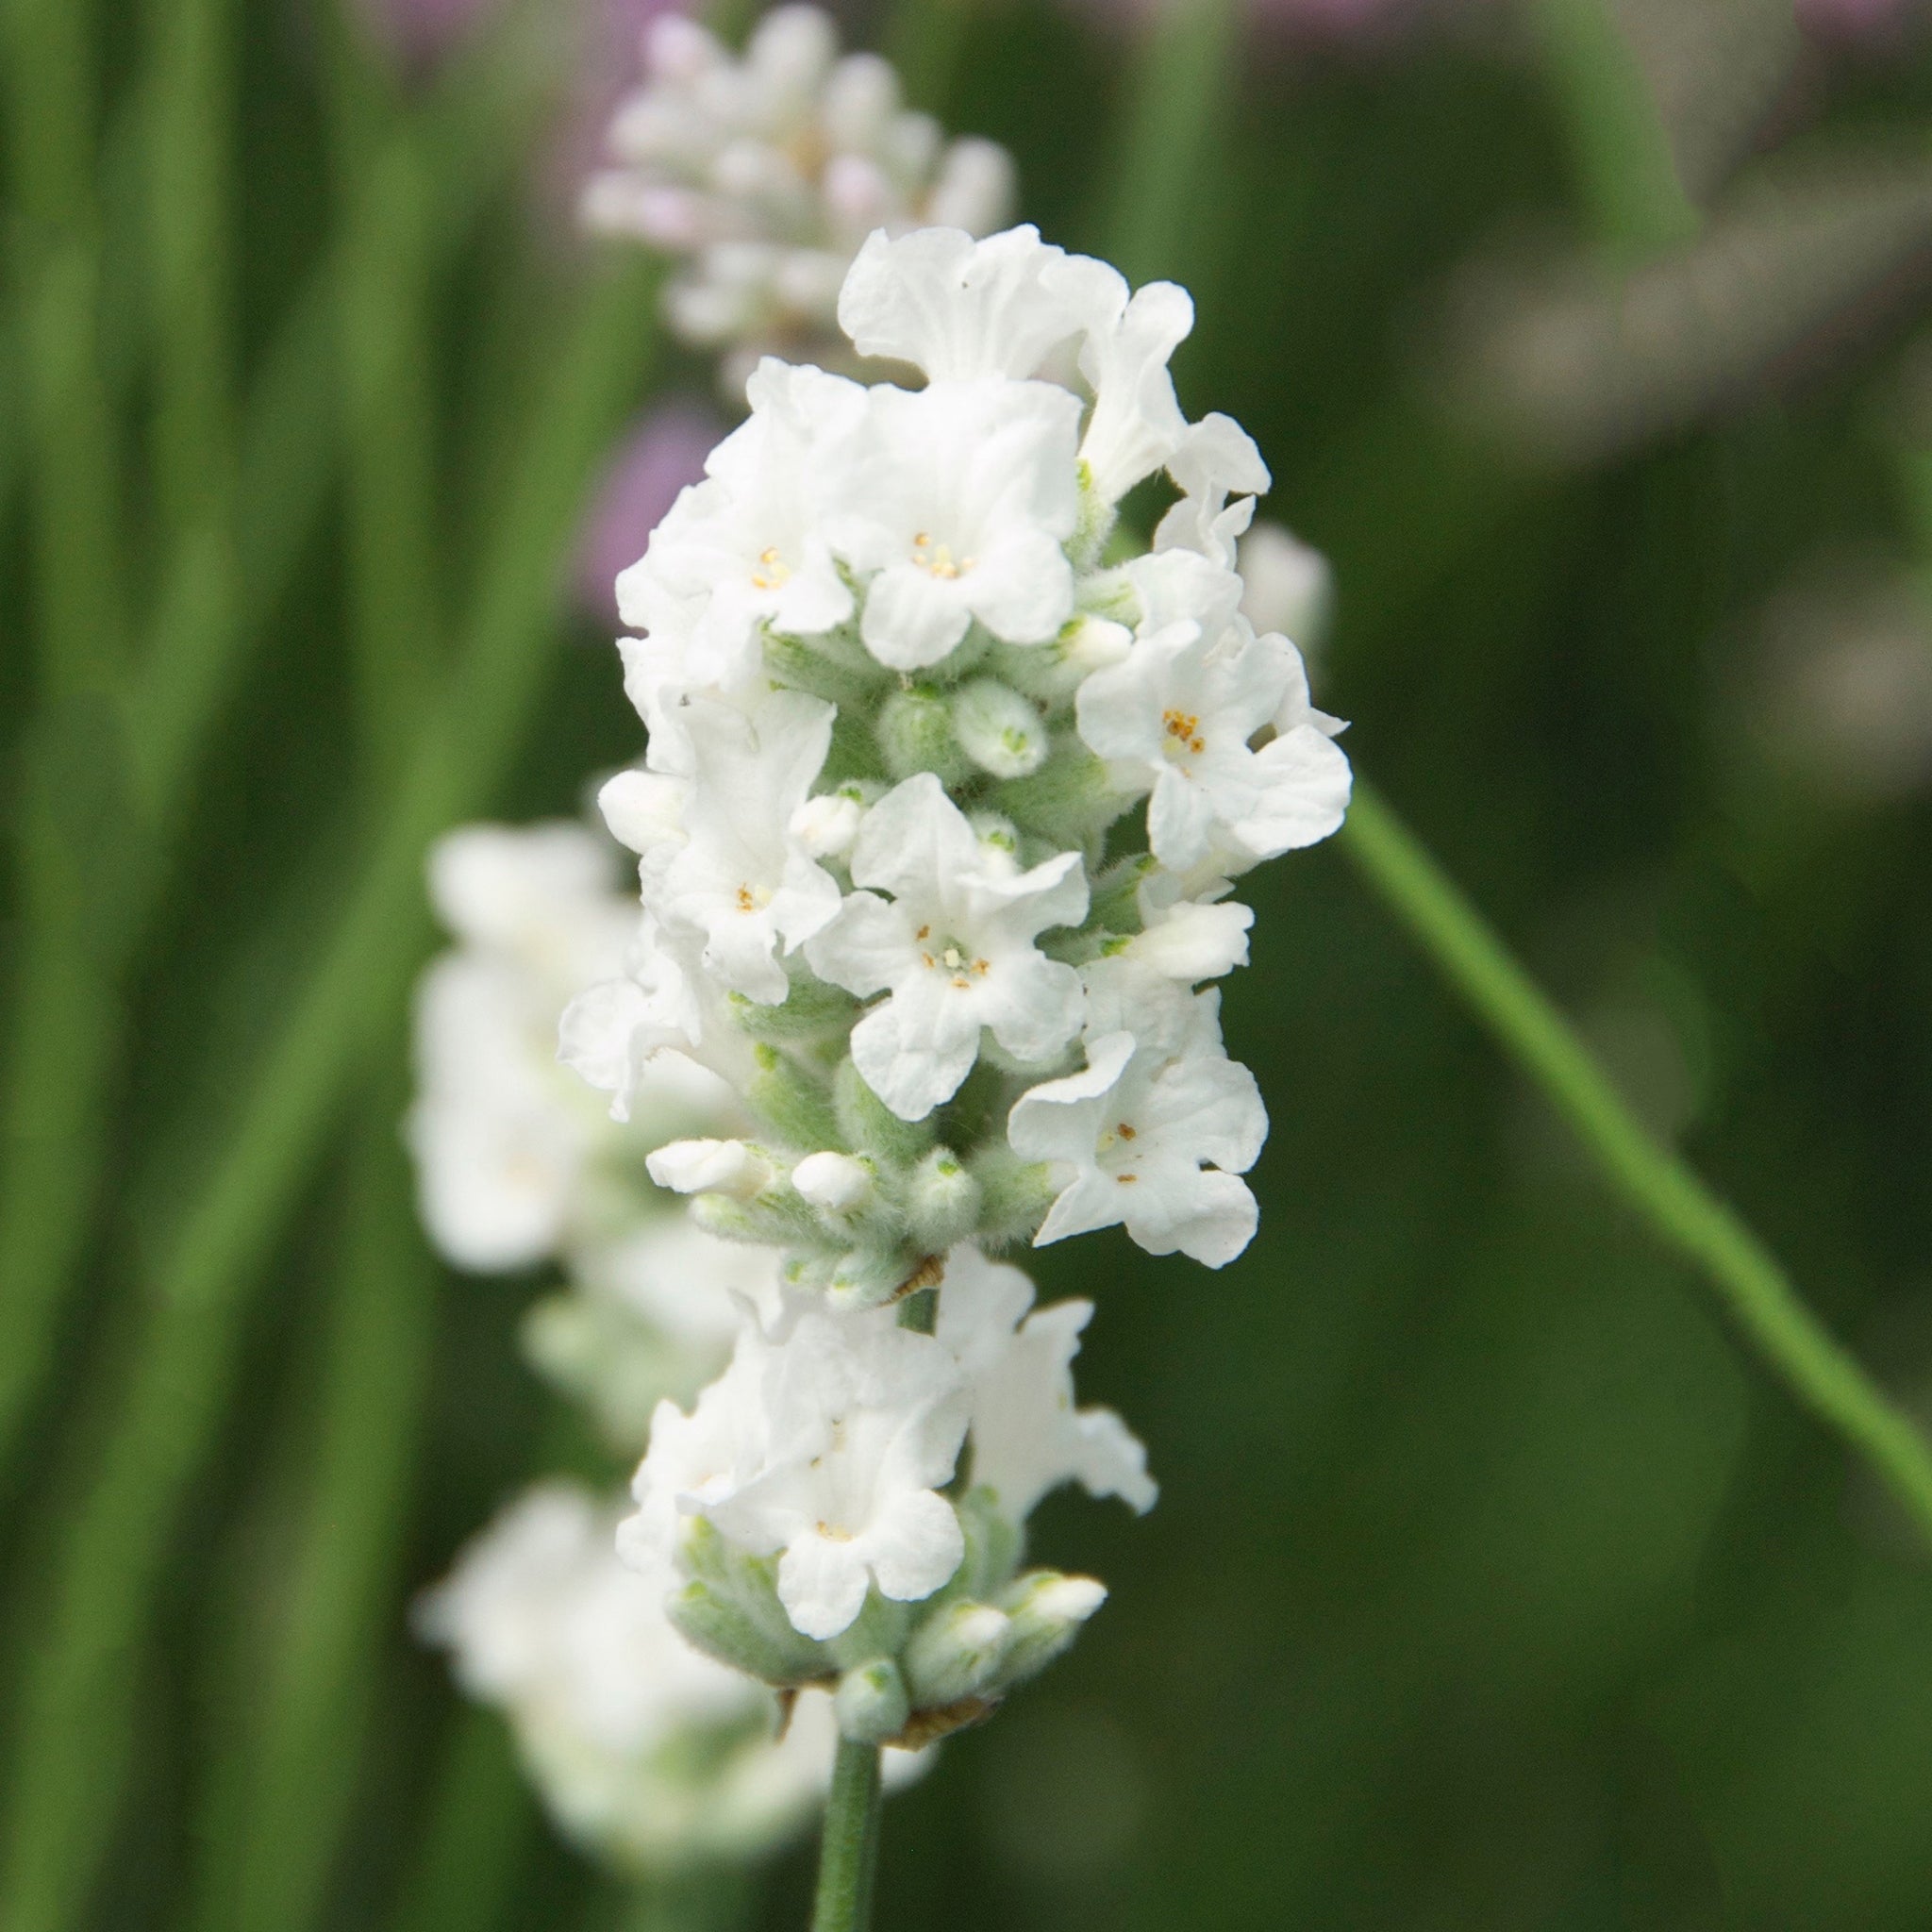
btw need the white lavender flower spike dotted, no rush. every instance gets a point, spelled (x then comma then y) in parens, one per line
(949, 781)
(763, 175)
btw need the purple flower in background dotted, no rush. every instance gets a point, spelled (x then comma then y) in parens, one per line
(1359, 21)
(423, 31)
(663, 454)
(1866, 23)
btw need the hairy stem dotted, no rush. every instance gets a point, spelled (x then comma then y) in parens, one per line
(1653, 1181)
(849, 1850)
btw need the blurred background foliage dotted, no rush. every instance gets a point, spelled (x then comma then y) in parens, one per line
(1492, 1584)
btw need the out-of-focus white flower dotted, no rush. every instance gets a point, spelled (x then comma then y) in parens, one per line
(955, 947)
(644, 1750)
(1288, 586)
(513, 1168)
(1027, 1435)
(763, 174)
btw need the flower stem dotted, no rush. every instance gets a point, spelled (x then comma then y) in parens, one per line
(1679, 1207)
(849, 1851)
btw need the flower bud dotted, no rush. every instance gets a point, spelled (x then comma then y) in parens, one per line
(711, 1167)
(1289, 587)
(827, 826)
(867, 1125)
(915, 733)
(958, 1653)
(836, 1182)
(871, 1702)
(1048, 1611)
(796, 1101)
(942, 1201)
(813, 1011)
(1015, 1194)
(717, 1623)
(1068, 801)
(643, 810)
(998, 729)
(868, 1277)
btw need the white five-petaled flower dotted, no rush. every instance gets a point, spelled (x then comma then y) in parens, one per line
(827, 1450)
(745, 547)
(740, 877)
(1151, 1141)
(1176, 718)
(957, 500)
(1027, 1435)
(955, 947)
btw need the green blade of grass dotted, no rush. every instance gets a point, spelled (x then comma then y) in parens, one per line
(1180, 88)
(286, 1789)
(71, 1739)
(77, 940)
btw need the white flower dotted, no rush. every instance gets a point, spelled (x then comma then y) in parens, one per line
(643, 1749)
(1189, 938)
(1290, 586)
(742, 878)
(511, 1165)
(831, 1447)
(763, 174)
(1027, 1437)
(745, 548)
(1217, 458)
(1150, 1143)
(954, 947)
(959, 498)
(955, 309)
(1178, 717)
(1136, 426)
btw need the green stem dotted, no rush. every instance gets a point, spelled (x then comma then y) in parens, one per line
(926, 39)
(1653, 1181)
(1619, 146)
(1181, 88)
(849, 1850)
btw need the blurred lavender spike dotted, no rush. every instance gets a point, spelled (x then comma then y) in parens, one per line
(661, 455)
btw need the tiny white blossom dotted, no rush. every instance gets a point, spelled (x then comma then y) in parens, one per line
(1150, 1143)
(1217, 459)
(1290, 586)
(955, 947)
(835, 1182)
(740, 878)
(1136, 425)
(763, 174)
(710, 1167)
(1176, 718)
(957, 498)
(829, 1447)
(1185, 937)
(1027, 1435)
(745, 547)
(955, 309)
